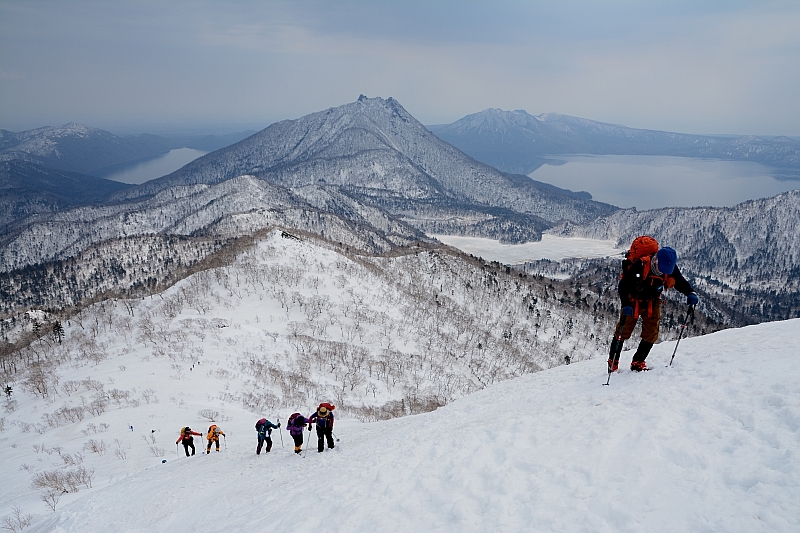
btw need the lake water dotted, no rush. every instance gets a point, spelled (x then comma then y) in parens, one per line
(137, 172)
(649, 182)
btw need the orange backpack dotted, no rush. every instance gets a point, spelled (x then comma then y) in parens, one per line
(644, 247)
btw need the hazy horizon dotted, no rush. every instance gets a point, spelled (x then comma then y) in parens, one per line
(180, 129)
(128, 67)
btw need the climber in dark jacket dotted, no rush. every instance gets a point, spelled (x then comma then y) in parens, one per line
(264, 429)
(640, 291)
(324, 420)
(186, 438)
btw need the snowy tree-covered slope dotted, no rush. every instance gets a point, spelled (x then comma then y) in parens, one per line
(239, 206)
(709, 444)
(125, 267)
(747, 254)
(379, 152)
(28, 188)
(515, 141)
(453, 315)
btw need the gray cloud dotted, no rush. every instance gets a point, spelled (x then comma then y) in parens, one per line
(717, 67)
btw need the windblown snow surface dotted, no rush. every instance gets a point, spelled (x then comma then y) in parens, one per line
(709, 444)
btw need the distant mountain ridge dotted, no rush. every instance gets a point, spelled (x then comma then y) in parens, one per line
(376, 152)
(365, 173)
(369, 176)
(78, 148)
(515, 141)
(54, 168)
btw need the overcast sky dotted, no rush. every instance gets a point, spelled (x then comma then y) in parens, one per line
(165, 66)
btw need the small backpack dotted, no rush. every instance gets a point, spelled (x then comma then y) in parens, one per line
(261, 423)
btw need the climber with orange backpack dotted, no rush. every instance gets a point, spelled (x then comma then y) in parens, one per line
(646, 272)
(213, 436)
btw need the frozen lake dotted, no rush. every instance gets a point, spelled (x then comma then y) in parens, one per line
(649, 182)
(145, 170)
(550, 247)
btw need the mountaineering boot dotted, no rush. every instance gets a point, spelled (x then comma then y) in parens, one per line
(613, 365)
(639, 366)
(641, 354)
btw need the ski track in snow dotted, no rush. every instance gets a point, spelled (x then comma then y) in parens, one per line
(708, 445)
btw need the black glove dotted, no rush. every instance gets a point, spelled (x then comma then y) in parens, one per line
(279, 424)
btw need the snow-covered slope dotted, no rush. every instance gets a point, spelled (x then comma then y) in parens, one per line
(283, 324)
(710, 444)
(747, 255)
(239, 206)
(28, 189)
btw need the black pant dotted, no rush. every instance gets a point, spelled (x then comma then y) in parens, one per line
(261, 440)
(322, 435)
(298, 442)
(188, 443)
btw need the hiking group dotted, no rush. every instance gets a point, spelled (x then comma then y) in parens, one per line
(297, 423)
(647, 271)
(322, 418)
(187, 438)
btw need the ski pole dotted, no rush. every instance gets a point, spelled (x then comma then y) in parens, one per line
(178, 450)
(617, 348)
(225, 440)
(689, 312)
(334, 436)
(279, 431)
